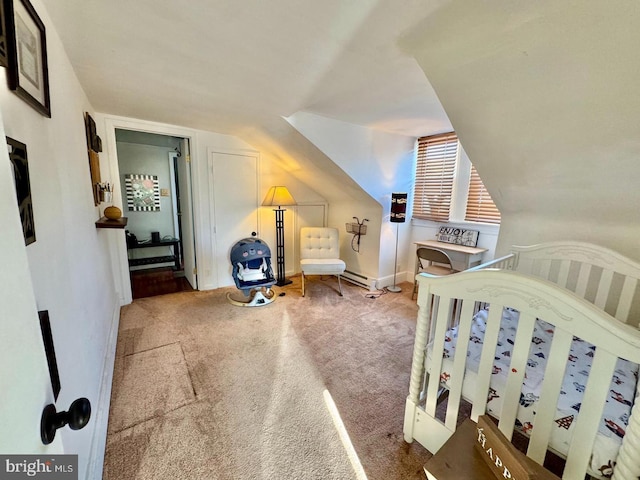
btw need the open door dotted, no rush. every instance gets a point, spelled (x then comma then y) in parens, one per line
(185, 213)
(24, 374)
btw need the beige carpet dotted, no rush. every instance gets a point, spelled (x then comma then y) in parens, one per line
(206, 390)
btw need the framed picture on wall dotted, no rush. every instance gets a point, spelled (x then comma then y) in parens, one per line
(4, 60)
(143, 192)
(26, 43)
(18, 157)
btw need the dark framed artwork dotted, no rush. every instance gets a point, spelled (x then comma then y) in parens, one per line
(4, 60)
(26, 42)
(143, 192)
(18, 157)
(93, 144)
(50, 351)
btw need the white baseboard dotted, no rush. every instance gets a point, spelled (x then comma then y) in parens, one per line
(101, 411)
(360, 280)
(387, 280)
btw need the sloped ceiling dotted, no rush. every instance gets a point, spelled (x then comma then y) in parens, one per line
(240, 68)
(544, 98)
(224, 65)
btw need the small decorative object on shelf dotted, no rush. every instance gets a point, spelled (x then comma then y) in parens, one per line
(112, 212)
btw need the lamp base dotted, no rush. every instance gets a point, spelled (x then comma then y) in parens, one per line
(394, 289)
(283, 282)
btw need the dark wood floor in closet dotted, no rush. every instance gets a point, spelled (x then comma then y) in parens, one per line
(158, 281)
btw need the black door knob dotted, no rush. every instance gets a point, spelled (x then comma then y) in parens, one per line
(76, 417)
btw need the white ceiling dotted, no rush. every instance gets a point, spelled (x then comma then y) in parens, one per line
(225, 65)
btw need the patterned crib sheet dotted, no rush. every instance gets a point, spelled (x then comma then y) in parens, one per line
(618, 406)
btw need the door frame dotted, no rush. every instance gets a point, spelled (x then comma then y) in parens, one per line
(107, 125)
(174, 199)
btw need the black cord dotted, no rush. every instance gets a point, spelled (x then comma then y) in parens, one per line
(376, 294)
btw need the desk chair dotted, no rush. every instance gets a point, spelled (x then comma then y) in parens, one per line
(432, 261)
(319, 253)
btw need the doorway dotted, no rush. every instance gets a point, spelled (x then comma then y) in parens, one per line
(156, 198)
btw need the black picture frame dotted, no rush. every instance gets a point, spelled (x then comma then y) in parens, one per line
(18, 157)
(4, 59)
(50, 351)
(28, 73)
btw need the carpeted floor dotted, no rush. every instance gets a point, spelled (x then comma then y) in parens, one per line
(206, 390)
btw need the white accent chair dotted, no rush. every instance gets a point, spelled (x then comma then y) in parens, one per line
(320, 253)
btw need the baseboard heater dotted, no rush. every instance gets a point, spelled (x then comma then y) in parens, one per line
(359, 280)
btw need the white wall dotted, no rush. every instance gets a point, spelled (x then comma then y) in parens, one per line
(69, 264)
(381, 163)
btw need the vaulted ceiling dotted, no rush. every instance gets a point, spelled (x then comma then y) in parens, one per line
(225, 66)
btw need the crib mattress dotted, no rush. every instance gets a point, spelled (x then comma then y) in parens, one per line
(617, 409)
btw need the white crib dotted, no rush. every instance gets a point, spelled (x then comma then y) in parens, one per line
(582, 291)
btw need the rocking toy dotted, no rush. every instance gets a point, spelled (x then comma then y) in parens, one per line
(252, 273)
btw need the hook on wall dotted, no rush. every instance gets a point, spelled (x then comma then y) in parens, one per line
(357, 229)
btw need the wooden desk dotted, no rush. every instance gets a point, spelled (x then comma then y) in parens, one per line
(461, 256)
(174, 257)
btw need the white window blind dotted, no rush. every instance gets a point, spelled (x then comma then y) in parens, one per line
(436, 163)
(480, 206)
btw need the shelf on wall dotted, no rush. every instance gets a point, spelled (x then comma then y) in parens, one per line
(104, 222)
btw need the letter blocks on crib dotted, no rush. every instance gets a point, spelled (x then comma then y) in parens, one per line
(504, 460)
(480, 452)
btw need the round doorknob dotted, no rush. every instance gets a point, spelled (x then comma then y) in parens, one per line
(76, 417)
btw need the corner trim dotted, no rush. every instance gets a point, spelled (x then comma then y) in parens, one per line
(99, 439)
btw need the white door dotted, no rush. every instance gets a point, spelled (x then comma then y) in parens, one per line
(234, 183)
(24, 375)
(186, 215)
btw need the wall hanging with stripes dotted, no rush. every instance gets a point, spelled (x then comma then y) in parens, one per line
(143, 192)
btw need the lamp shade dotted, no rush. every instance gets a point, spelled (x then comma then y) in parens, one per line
(278, 196)
(398, 207)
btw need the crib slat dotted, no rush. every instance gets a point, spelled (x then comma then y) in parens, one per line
(544, 269)
(603, 288)
(442, 320)
(519, 358)
(595, 395)
(459, 362)
(628, 461)
(626, 297)
(486, 361)
(535, 267)
(583, 279)
(563, 273)
(546, 408)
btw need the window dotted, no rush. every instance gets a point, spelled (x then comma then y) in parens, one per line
(440, 170)
(480, 206)
(435, 171)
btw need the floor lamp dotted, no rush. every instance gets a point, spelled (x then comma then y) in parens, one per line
(398, 215)
(278, 197)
